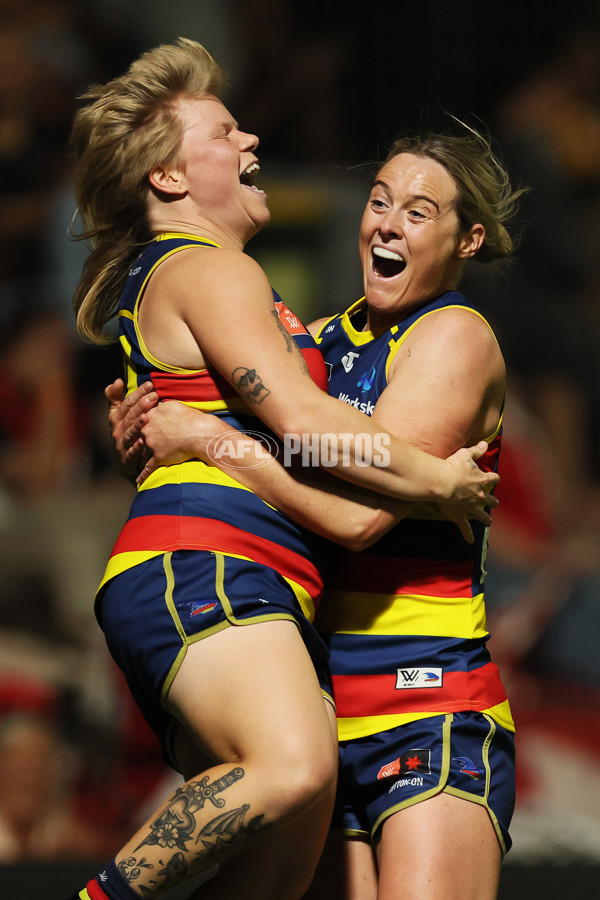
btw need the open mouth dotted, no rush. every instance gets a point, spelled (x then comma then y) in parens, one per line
(387, 263)
(248, 175)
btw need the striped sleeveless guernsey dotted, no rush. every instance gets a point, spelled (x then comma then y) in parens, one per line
(404, 620)
(194, 505)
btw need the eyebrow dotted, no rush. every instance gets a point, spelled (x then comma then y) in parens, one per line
(380, 183)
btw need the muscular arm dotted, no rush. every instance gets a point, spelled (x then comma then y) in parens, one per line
(438, 395)
(446, 385)
(339, 511)
(234, 319)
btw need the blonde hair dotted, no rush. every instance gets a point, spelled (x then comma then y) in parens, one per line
(128, 126)
(484, 193)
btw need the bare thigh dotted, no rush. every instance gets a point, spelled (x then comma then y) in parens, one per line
(251, 692)
(283, 857)
(346, 871)
(442, 847)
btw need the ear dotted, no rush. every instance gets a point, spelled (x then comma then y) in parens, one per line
(166, 179)
(470, 242)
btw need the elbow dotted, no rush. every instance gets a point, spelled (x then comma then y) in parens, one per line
(363, 532)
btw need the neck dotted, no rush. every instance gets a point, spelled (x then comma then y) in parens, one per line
(174, 217)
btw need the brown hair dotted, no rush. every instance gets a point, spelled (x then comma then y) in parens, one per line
(128, 126)
(484, 192)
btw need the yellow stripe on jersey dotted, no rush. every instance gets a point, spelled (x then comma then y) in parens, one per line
(349, 612)
(118, 564)
(352, 729)
(190, 472)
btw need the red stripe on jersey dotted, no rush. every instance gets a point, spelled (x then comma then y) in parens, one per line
(194, 532)
(95, 891)
(396, 575)
(196, 387)
(376, 695)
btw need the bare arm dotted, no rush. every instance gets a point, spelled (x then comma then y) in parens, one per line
(334, 509)
(446, 385)
(235, 320)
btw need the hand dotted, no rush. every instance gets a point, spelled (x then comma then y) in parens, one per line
(470, 494)
(174, 433)
(127, 416)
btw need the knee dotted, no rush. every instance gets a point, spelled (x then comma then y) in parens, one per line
(302, 780)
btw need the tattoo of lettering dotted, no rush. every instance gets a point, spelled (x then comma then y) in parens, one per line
(292, 346)
(175, 825)
(250, 385)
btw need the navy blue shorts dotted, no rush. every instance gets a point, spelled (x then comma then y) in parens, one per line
(152, 612)
(466, 754)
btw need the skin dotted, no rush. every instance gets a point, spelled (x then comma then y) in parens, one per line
(439, 400)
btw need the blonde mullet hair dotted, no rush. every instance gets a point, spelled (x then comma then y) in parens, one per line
(484, 192)
(128, 126)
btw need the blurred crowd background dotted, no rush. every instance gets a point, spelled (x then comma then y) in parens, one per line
(326, 90)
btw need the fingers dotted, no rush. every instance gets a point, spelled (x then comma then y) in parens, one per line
(150, 467)
(482, 516)
(114, 392)
(466, 530)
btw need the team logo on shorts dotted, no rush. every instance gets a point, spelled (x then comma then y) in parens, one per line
(413, 762)
(200, 609)
(419, 678)
(468, 767)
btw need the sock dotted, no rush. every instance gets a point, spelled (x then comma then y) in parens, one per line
(109, 884)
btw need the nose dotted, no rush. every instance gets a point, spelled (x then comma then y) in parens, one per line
(390, 225)
(247, 141)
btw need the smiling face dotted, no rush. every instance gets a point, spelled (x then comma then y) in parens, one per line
(216, 172)
(410, 245)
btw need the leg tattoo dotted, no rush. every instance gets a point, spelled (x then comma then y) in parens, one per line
(176, 827)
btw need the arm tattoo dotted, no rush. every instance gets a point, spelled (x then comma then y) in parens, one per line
(292, 346)
(250, 385)
(287, 336)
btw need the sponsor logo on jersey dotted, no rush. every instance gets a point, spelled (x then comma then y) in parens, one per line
(414, 762)
(292, 323)
(329, 328)
(348, 360)
(365, 382)
(419, 678)
(468, 767)
(364, 406)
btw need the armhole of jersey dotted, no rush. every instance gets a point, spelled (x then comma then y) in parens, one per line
(498, 427)
(157, 363)
(395, 345)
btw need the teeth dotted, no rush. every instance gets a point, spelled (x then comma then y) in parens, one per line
(252, 169)
(387, 254)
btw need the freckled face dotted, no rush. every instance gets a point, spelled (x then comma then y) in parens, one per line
(409, 236)
(218, 161)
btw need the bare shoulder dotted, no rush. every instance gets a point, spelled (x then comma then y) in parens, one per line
(206, 263)
(454, 327)
(211, 274)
